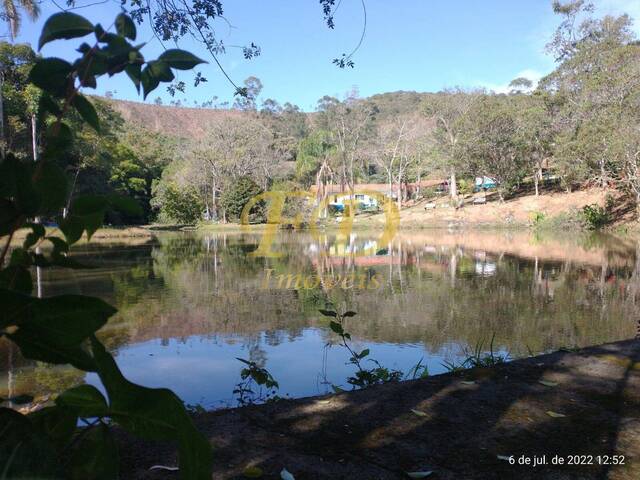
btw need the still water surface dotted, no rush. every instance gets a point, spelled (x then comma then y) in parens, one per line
(189, 304)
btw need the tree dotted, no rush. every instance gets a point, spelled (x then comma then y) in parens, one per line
(11, 14)
(15, 63)
(349, 122)
(313, 152)
(178, 204)
(396, 149)
(593, 93)
(238, 195)
(247, 97)
(534, 133)
(491, 137)
(450, 109)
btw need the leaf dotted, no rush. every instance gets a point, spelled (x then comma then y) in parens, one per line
(328, 313)
(336, 327)
(87, 213)
(20, 399)
(87, 111)
(9, 216)
(53, 329)
(16, 278)
(14, 304)
(547, 383)
(125, 26)
(134, 72)
(64, 25)
(154, 414)
(51, 186)
(58, 424)
(349, 314)
(419, 413)
(252, 472)
(96, 456)
(154, 73)
(58, 138)
(363, 353)
(72, 228)
(48, 104)
(37, 232)
(424, 474)
(84, 400)
(19, 440)
(51, 75)
(555, 414)
(59, 245)
(126, 205)
(286, 475)
(180, 59)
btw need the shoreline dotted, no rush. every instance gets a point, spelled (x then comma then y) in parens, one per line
(467, 425)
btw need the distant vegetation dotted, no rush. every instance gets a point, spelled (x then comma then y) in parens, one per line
(577, 127)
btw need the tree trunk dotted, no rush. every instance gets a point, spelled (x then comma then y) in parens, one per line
(2, 149)
(535, 182)
(34, 138)
(453, 186)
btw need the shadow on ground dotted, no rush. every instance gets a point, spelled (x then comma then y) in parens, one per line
(467, 425)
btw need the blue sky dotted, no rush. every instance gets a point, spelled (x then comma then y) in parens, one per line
(421, 45)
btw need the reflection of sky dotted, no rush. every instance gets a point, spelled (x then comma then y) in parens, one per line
(203, 370)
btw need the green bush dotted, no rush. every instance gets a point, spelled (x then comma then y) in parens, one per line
(178, 204)
(595, 216)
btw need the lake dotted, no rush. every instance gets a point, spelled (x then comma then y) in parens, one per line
(190, 304)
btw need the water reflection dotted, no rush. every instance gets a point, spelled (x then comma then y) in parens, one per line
(189, 304)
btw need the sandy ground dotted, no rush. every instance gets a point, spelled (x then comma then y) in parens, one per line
(467, 426)
(515, 212)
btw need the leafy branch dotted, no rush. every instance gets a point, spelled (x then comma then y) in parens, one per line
(62, 329)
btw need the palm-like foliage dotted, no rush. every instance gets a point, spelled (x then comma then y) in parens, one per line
(12, 15)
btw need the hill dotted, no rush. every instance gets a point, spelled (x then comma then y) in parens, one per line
(186, 122)
(180, 122)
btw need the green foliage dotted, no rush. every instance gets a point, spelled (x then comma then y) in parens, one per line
(312, 151)
(178, 205)
(478, 358)
(363, 377)
(62, 329)
(238, 195)
(595, 216)
(256, 385)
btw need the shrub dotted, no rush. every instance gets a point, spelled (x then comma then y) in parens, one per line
(595, 216)
(178, 204)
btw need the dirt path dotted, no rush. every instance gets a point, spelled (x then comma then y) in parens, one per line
(465, 422)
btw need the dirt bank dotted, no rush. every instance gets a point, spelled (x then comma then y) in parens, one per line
(467, 426)
(519, 211)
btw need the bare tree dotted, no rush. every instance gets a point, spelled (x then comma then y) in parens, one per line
(449, 108)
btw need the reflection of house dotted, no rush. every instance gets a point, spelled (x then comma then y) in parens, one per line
(368, 194)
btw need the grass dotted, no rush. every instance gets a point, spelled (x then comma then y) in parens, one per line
(477, 358)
